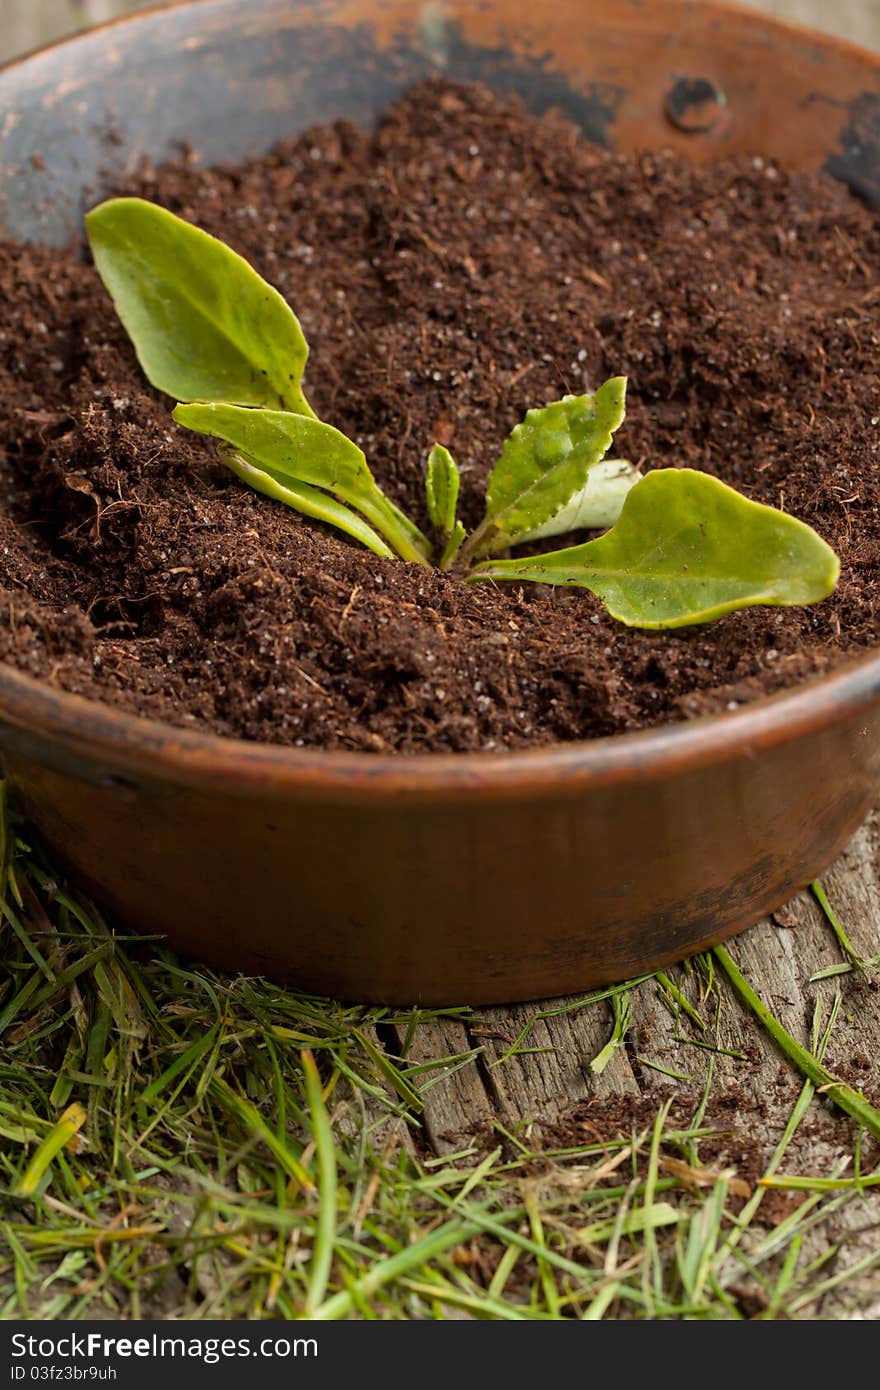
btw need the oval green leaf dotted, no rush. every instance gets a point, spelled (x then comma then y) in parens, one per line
(306, 450)
(545, 463)
(205, 325)
(687, 549)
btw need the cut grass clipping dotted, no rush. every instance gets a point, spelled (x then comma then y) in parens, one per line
(180, 1144)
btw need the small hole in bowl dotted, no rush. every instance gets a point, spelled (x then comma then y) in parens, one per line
(695, 105)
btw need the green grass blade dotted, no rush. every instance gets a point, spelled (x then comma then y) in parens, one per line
(251, 1120)
(843, 1095)
(414, 1256)
(831, 917)
(325, 1153)
(71, 1123)
(621, 1009)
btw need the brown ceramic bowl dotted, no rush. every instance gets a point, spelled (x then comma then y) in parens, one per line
(437, 879)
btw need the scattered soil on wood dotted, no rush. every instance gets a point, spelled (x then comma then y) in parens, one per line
(455, 267)
(741, 1133)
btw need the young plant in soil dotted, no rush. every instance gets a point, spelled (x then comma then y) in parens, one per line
(680, 547)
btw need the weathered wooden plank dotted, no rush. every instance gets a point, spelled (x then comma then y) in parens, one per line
(550, 1071)
(458, 1108)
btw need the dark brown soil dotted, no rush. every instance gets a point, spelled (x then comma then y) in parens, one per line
(462, 264)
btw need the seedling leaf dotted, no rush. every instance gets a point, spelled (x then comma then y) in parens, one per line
(210, 331)
(205, 325)
(442, 482)
(452, 547)
(598, 504)
(686, 550)
(297, 448)
(545, 463)
(309, 501)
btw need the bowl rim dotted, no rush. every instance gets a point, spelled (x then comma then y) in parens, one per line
(744, 14)
(43, 721)
(58, 728)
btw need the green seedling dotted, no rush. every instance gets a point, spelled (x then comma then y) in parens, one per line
(680, 547)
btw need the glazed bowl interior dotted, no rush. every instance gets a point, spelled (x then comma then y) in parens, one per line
(730, 814)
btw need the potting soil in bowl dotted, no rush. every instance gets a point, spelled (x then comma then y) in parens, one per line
(460, 265)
